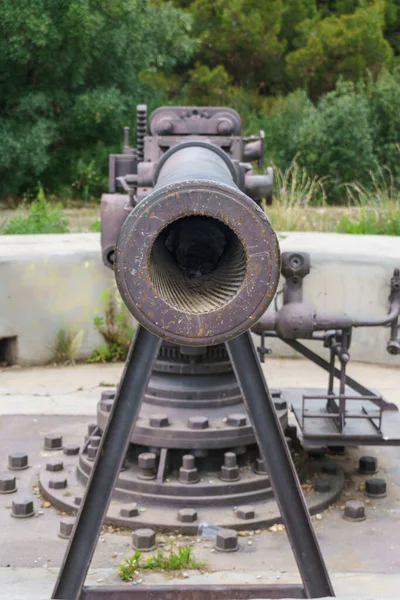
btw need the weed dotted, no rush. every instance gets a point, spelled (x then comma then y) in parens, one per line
(115, 329)
(42, 217)
(126, 570)
(67, 345)
(299, 199)
(173, 560)
(378, 209)
(95, 226)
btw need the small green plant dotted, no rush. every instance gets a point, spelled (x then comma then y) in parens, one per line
(126, 570)
(115, 329)
(379, 208)
(67, 345)
(174, 560)
(42, 217)
(96, 226)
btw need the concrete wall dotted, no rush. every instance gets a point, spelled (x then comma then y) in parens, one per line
(49, 282)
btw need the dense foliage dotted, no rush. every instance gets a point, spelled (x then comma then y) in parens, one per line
(319, 76)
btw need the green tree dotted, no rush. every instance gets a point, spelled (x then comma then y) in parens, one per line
(339, 46)
(71, 74)
(337, 140)
(243, 37)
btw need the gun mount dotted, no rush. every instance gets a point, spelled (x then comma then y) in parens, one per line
(371, 420)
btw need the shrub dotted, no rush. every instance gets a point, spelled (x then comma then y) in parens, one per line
(42, 217)
(115, 329)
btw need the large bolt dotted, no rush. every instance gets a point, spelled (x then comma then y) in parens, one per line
(236, 420)
(54, 465)
(108, 394)
(188, 472)
(159, 420)
(227, 540)
(71, 450)
(246, 512)
(91, 452)
(78, 500)
(66, 527)
(17, 461)
(187, 515)
(198, 423)
(376, 488)
(91, 428)
(7, 484)
(95, 441)
(368, 465)
(354, 511)
(58, 483)
(316, 453)
(229, 470)
(53, 442)
(147, 465)
(280, 404)
(129, 511)
(106, 405)
(322, 485)
(144, 540)
(259, 466)
(22, 509)
(330, 468)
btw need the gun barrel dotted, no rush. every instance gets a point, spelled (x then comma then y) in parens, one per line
(197, 261)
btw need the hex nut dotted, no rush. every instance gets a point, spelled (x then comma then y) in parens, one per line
(144, 540)
(316, 453)
(147, 465)
(354, 511)
(78, 500)
(108, 394)
(330, 468)
(8, 484)
(280, 404)
(368, 465)
(91, 428)
(198, 423)
(236, 420)
(322, 485)
(159, 420)
(227, 540)
(106, 405)
(229, 473)
(246, 512)
(54, 465)
(66, 527)
(17, 461)
(187, 515)
(376, 488)
(58, 483)
(22, 509)
(129, 511)
(53, 442)
(188, 472)
(71, 450)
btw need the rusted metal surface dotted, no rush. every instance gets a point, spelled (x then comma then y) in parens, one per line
(197, 261)
(335, 416)
(193, 592)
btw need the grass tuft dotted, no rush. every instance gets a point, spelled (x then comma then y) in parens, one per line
(67, 345)
(174, 560)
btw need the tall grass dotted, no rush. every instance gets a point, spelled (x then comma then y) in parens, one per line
(376, 210)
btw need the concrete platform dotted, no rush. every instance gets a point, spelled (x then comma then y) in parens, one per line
(50, 282)
(363, 558)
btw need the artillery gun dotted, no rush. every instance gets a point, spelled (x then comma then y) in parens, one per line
(197, 264)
